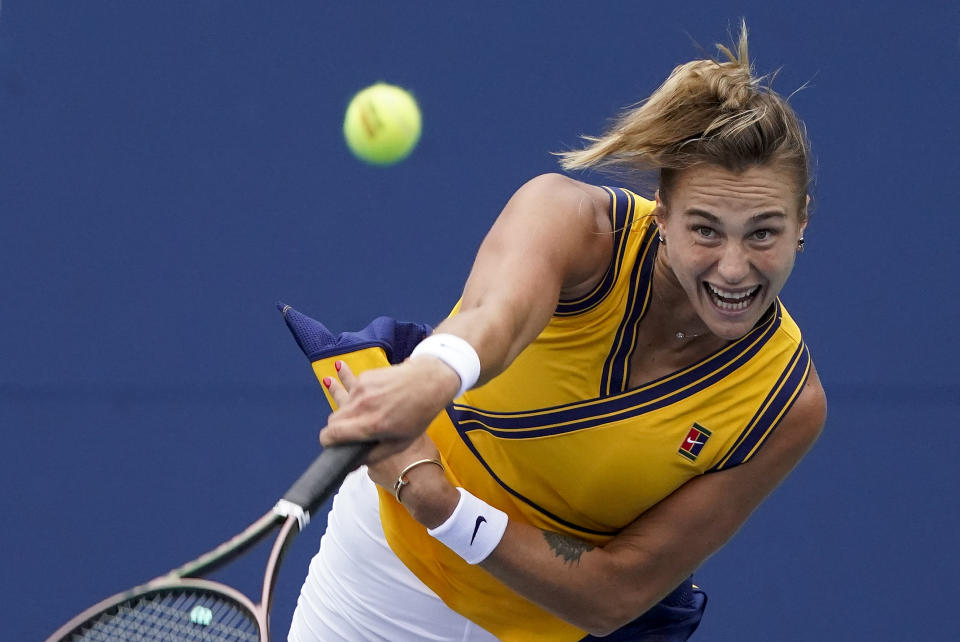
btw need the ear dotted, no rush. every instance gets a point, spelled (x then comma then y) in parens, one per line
(804, 216)
(659, 212)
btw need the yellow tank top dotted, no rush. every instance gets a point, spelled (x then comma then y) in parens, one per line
(531, 443)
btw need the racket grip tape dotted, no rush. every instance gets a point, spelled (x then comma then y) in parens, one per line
(326, 473)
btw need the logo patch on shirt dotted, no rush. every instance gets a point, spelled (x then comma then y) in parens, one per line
(694, 441)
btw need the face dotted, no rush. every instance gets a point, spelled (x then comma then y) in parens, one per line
(731, 240)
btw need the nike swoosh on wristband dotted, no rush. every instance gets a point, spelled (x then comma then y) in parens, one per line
(476, 527)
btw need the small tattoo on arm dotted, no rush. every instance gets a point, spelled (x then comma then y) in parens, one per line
(566, 547)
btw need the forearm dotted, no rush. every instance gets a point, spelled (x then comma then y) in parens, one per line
(597, 589)
(549, 242)
(498, 331)
(591, 587)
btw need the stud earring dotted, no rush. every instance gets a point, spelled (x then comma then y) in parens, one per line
(661, 237)
(800, 245)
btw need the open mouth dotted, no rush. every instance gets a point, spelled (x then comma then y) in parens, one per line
(731, 300)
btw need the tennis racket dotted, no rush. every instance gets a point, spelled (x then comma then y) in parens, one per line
(180, 606)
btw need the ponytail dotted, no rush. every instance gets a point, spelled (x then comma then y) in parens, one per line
(707, 111)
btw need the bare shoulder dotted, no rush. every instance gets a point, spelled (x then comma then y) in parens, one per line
(809, 413)
(563, 222)
(565, 196)
(561, 185)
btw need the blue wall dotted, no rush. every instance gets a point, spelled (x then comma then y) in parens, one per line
(168, 170)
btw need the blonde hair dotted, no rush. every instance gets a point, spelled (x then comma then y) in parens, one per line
(706, 112)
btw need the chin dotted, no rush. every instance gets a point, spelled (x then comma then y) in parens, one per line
(732, 334)
(730, 329)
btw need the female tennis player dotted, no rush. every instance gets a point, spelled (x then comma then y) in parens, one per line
(617, 390)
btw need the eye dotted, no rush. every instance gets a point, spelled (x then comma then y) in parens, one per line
(704, 232)
(764, 234)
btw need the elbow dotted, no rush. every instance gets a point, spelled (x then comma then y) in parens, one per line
(610, 615)
(601, 629)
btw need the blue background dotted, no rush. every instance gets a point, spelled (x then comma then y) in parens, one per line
(169, 170)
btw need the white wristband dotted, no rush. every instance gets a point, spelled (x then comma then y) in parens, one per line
(456, 353)
(473, 530)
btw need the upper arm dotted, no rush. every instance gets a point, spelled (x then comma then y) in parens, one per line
(673, 538)
(552, 239)
(553, 227)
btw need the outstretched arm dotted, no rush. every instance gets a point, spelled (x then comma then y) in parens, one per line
(600, 589)
(548, 242)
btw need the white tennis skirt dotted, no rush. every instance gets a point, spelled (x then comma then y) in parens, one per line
(357, 590)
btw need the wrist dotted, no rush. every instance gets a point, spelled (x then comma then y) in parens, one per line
(443, 381)
(456, 353)
(428, 496)
(473, 530)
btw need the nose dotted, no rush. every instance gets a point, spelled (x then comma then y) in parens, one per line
(734, 263)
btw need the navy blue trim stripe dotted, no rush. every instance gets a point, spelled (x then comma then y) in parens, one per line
(774, 408)
(583, 417)
(622, 209)
(616, 368)
(466, 420)
(525, 500)
(587, 414)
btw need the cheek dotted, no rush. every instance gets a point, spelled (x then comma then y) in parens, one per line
(692, 263)
(776, 268)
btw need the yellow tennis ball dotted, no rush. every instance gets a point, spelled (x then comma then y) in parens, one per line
(382, 124)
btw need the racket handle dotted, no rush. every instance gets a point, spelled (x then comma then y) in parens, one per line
(326, 473)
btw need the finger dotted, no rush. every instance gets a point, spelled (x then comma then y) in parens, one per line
(336, 432)
(337, 390)
(347, 378)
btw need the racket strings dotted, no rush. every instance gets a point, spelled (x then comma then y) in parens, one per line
(177, 614)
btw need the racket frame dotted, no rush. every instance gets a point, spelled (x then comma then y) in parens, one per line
(186, 576)
(321, 479)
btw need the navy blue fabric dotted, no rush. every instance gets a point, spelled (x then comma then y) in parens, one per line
(396, 338)
(673, 619)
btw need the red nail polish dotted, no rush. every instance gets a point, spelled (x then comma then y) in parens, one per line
(327, 381)
(338, 365)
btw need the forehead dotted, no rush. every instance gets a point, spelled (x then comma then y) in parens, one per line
(725, 193)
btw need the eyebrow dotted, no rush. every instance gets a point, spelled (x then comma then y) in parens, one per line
(762, 216)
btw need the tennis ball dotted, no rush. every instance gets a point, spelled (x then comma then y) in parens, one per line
(201, 615)
(382, 124)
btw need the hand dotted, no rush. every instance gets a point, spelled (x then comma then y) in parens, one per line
(429, 497)
(392, 406)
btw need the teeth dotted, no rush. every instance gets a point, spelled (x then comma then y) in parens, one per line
(732, 301)
(727, 294)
